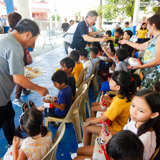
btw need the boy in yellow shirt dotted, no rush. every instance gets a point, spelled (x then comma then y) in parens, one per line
(78, 65)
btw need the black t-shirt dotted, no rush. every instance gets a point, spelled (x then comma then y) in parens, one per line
(64, 26)
(125, 46)
(71, 83)
(128, 48)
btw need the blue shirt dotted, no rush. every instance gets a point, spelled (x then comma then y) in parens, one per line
(94, 29)
(129, 28)
(64, 97)
(3, 21)
(113, 31)
(78, 41)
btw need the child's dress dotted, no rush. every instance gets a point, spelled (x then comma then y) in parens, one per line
(148, 139)
(36, 147)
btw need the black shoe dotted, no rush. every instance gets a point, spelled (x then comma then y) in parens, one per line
(54, 124)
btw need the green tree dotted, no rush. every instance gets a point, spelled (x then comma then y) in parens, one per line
(58, 17)
(113, 8)
(78, 14)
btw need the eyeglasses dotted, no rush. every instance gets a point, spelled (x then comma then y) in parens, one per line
(93, 19)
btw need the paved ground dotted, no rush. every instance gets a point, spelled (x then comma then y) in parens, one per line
(40, 48)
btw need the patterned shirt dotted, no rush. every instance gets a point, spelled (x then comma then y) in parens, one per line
(150, 54)
(36, 147)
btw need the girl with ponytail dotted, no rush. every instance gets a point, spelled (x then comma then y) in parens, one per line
(39, 140)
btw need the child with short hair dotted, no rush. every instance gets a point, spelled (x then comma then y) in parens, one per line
(39, 140)
(63, 100)
(93, 55)
(127, 27)
(119, 57)
(109, 33)
(86, 62)
(127, 35)
(132, 149)
(78, 65)
(117, 35)
(67, 65)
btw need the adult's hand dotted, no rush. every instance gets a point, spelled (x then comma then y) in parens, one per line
(43, 91)
(122, 41)
(24, 82)
(138, 66)
(103, 40)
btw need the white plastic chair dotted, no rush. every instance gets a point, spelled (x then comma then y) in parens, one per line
(51, 155)
(85, 97)
(81, 77)
(70, 117)
(95, 78)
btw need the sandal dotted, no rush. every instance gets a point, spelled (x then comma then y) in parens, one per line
(31, 104)
(24, 107)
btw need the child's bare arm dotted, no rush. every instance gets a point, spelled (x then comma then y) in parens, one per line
(94, 120)
(59, 106)
(106, 52)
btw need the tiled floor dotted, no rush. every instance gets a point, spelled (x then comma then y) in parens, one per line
(48, 63)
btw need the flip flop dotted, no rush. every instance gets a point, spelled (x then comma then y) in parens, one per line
(30, 103)
(24, 107)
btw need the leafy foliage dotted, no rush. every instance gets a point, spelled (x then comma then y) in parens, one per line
(78, 14)
(58, 17)
(113, 8)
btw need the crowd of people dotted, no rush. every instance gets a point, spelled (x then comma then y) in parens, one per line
(132, 114)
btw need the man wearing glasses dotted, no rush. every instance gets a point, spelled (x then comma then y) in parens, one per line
(82, 34)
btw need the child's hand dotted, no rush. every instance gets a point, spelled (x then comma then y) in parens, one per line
(46, 101)
(104, 46)
(15, 142)
(55, 97)
(105, 138)
(107, 98)
(112, 68)
(85, 125)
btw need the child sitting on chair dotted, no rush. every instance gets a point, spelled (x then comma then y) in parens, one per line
(119, 57)
(67, 65)
(63, 100)
(78, 65)
(93, 55)
(86, 62)
(39, 140)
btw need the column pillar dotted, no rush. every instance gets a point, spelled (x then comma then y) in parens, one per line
(9, 6)
(135, 16)
(23, 7)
